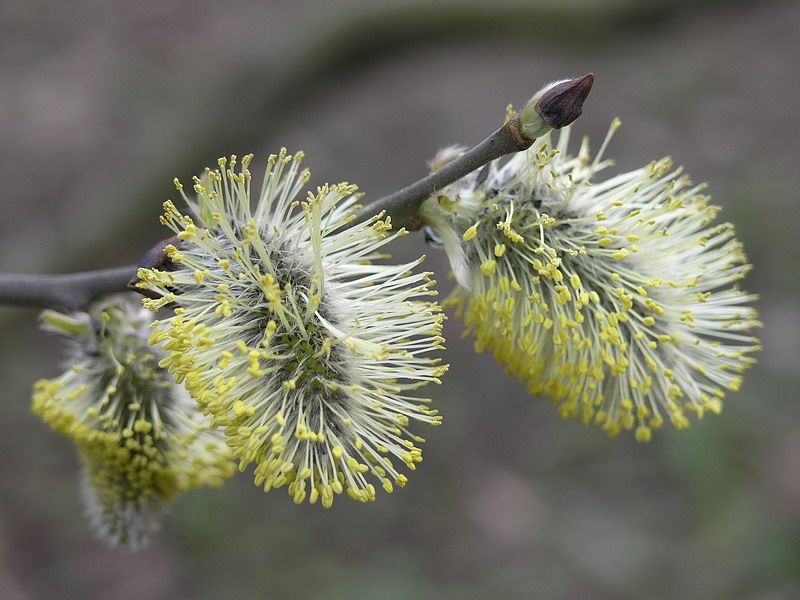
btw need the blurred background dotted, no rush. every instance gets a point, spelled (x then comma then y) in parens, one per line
(103, 103)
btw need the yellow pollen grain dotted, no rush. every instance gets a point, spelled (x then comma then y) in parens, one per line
(488, 267)
(620, 254)
(470, 233)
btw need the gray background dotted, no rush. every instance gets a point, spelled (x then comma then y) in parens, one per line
(103, 103)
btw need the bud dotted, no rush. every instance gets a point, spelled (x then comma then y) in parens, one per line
(555, 106)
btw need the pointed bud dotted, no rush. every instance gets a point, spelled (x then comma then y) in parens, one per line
(555, 106)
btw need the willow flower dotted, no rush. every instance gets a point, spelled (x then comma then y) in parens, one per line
(140, 438)
(616, 299)
(291, 338)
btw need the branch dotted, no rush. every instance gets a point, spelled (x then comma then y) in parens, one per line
(555, 106)
(73, 291)
(402, 205)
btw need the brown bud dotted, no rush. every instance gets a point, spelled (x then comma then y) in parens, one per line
(561, 104)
